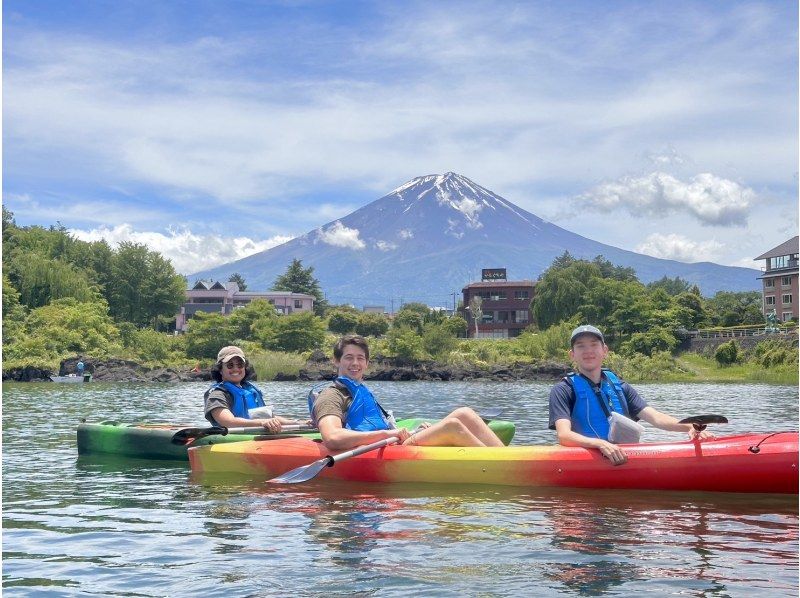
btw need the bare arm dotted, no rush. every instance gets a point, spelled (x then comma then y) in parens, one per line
(568, 437)
(338, 438)
(225, 417)
(662, 421)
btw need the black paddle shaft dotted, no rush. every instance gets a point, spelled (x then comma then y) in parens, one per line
(700, 422)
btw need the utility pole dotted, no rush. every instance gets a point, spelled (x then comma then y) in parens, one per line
(454, 302)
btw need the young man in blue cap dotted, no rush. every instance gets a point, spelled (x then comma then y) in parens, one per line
(582, 403)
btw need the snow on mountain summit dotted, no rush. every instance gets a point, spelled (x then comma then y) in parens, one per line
(429, 237)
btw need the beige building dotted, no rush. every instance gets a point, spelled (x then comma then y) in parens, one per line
(223, 298)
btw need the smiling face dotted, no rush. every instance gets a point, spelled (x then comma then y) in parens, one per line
(233, 371)
(353, 363)
(588, 353)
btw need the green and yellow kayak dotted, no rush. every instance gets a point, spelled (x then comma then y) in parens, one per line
(154, 441)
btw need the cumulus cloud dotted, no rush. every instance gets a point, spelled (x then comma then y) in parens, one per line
(710, 199)
(680, 248)
(386, 245)
(406, 233)
(188, 252)
(339, 235)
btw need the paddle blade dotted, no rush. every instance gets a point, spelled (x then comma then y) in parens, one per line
(490, 414)
(704, 420)
(302, 474)
(187, 435)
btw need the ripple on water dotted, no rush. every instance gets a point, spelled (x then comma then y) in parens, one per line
(99, 526)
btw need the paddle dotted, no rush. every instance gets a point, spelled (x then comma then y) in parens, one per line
(701, 421)
(306, 472)
(187, 435)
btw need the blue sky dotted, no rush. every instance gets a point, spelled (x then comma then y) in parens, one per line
(211, 130)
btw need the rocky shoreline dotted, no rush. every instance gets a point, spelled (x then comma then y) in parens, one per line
(317, 368)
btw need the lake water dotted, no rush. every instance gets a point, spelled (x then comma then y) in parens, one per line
(107, 527)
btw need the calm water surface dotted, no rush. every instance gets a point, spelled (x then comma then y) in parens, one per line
(101, 526)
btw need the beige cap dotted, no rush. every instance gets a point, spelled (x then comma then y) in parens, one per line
(227, 353)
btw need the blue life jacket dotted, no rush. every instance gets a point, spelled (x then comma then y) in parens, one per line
(245, 397)
(593, 406)
(364, 413)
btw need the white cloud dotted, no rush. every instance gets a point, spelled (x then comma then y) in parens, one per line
(386, 245)
(470, 208)
(710, 199)
(677, 247)
(188, 252)
(339, 235)
(406, 233)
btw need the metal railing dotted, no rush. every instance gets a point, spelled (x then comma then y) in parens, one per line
(741, 331)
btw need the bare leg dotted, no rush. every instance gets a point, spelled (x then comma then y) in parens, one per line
(477, 426)
(448, 432)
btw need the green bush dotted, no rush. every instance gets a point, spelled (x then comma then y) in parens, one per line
(295, 332)
(342, 322)
(372, 325)
(774, 352)
(438, 340)
(650, 342)
(405, 342)
(727, 353)
(552, 343)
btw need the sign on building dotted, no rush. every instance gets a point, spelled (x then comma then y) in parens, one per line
(489, 274)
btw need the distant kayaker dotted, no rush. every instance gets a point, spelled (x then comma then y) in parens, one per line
(348, 415)
(581, 405)
(231, 400)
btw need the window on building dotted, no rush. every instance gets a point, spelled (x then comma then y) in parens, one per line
(769, 283)
(522, 315)
(502, 317)
(786, 281)
(298, 303)
(488, 316)
(769, 300)
(787, 315)
(787, 299)
(780, 262)
(520, 294)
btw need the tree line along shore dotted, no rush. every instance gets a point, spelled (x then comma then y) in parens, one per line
(65, 299)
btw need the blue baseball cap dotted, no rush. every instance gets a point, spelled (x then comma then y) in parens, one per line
(586, 329)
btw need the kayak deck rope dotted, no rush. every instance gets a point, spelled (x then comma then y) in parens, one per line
(755, 449)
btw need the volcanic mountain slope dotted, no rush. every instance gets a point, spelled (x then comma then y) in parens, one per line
(431, 236)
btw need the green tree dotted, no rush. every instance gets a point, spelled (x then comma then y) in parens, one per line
(297, 279)
(65, 327)
(296, 332)
(671, 286)
(560, 292)
(144, 285)
(371, 324)
(40, 279)
(408, 318)
(238, 279)
(727, 308)
(693, 314)
(13, 312)
(207, 333)
(247, 321)
(342, 321)
(609, 270)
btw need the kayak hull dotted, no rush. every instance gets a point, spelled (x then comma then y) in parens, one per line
(154, 441)
(721, 465)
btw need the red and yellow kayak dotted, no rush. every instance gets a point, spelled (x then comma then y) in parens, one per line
(745, 463)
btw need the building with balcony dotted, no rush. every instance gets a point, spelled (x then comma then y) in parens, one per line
(779, 280)
(223, 298)
(505, 305)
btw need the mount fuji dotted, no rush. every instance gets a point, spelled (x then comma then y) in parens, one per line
(432, 236)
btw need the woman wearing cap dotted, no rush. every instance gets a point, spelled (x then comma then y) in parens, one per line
(228, 403)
